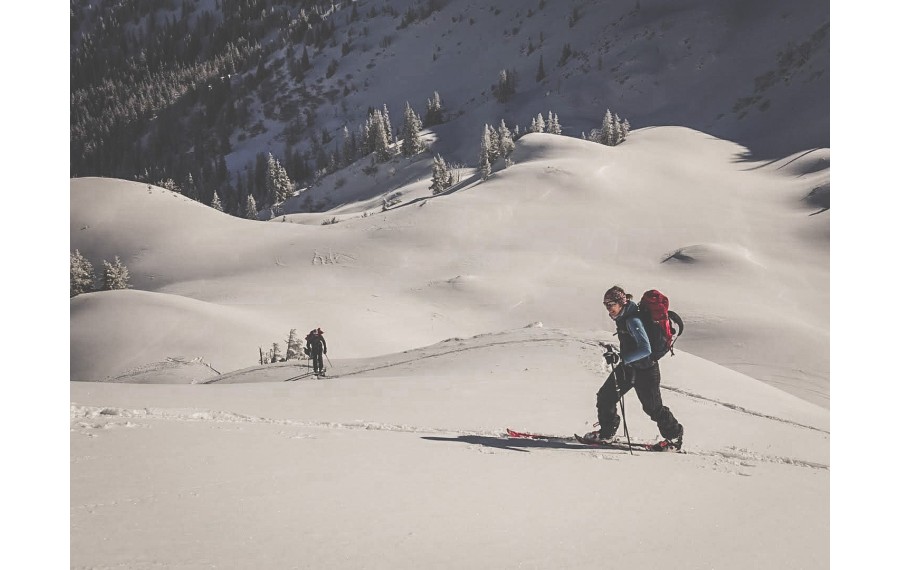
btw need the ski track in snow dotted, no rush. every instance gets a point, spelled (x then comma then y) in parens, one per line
(82, 417)
(427, 356)
(741, 409)
(734, 407)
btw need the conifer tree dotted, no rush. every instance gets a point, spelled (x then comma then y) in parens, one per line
(169, 185)
(189, 188)
(350, 155)
(388, 128)
(441, 177)
(608, 130)
(216, 203)
(278, 184)
(293, 345)
(434, 111)
(553, 124)
(412, 124)
(81, 274)
(506, 86)
(622, 128)
(115, 275)
(250, 211)
(494, 150)
(507, 146)
(612, 132)
(484, 160)
(537, 124)
(379, 141)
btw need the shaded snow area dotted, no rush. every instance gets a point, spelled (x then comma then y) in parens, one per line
(448, 319)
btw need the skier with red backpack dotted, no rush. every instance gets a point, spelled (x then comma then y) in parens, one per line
(645, 336)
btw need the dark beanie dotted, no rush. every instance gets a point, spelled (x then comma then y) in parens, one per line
(615, 295)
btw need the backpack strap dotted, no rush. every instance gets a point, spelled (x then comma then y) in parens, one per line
(675, 319)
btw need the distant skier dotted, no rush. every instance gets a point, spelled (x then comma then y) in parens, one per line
(633, 368)
(315, 348)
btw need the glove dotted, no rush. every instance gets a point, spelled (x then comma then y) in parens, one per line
(612, 358)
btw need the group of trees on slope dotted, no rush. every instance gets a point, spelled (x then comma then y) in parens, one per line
(294, 350)
(161, 90)
(83, 280)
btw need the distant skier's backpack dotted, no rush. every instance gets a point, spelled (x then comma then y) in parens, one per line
(659, 322)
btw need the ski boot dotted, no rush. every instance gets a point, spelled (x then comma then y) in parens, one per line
(670, 444)
(603, 435)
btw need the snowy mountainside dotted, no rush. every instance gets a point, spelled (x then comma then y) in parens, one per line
(756, 73)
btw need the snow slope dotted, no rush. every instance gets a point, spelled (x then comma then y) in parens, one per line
(401, 462)
(450, 318)
(735, 245)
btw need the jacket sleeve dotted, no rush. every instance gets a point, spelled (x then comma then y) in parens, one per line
(639, 334)
(324, 345)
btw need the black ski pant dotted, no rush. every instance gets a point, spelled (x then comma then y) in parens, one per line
(317, 361)
(646, 385)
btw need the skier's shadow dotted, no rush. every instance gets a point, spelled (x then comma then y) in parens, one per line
(512, 444)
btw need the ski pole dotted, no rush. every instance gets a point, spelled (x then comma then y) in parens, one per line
(329, 361)
(622, 405)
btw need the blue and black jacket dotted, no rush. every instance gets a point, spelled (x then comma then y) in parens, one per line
(634, 344)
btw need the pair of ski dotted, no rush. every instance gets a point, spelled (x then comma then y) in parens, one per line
(614, 443)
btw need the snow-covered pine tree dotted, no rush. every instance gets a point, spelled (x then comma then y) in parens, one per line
(278, 185)
(620, 135)
(439, 175)
(507, 146)
(434, 112)
(275, 352)
(553, 124)
(494, 151)
(115, 275)
(216, 203)
(81, 274)
(449, 180)
(293, 345)
(537, 124)
(484, 158)
(412, 124)
(378, 137)
(169, 185)
(622, 128)
(362, 140)
(388, 128)
(250, 211)
(608, 130)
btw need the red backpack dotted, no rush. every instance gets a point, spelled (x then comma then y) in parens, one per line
(659, 322)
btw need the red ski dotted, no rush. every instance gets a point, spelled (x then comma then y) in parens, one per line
(577, 441)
